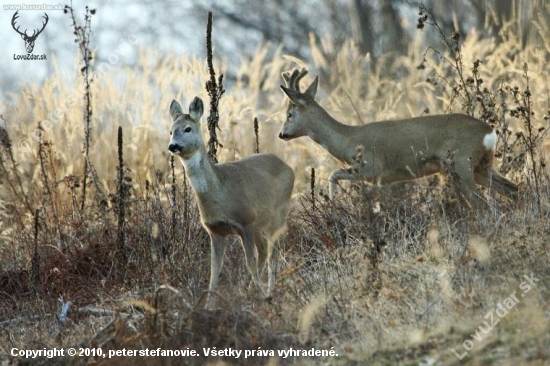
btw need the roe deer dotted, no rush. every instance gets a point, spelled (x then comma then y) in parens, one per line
(397, 150)
(249, 197)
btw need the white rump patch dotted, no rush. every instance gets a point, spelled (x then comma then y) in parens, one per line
(490, 140)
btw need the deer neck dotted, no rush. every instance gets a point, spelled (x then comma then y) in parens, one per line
(200, 172)
(332, 135)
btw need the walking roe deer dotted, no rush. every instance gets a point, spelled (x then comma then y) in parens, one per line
(397, 150)
(249, 197)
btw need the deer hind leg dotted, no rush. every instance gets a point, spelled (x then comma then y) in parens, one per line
(468, 188)
(261, 247)
(267, 252)
(267, 247)
(273, 260)
(490, 178)
(274, 242)
(217, 250)
(273, 236)
(248, 242)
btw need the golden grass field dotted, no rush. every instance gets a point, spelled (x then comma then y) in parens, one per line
(397, 275)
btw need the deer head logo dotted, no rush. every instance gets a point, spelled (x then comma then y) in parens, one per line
(29, 40)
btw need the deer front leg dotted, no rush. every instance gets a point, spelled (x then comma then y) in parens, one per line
(337, 175)
(217, 250)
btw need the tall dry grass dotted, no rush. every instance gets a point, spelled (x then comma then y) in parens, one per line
(385, 275)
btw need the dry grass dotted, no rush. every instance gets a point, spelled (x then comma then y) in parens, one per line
(403, 283)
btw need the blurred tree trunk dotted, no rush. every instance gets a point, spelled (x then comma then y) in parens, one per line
(364, 34)
(394, 38)
(362, 31)
(504, 9)
(499, 12)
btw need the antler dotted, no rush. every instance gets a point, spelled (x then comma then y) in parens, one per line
(43, 26)
(35, 34)
(292, 80)
(15, 16)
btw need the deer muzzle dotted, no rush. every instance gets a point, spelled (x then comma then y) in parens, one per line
(174, 148)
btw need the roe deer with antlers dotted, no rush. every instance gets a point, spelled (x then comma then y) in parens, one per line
(248, 198)
(397, 150)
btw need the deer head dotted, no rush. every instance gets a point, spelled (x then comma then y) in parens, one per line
(296, 115)
(186, 132)
(29, 40)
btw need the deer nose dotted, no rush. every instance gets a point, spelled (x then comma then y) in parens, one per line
(174, 148)
(281, 136)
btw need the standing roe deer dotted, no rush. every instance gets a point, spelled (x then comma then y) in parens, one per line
(397, 150)
(249, 198)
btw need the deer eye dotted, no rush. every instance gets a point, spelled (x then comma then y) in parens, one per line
(170, 133)
(289, 115)
(187, 129)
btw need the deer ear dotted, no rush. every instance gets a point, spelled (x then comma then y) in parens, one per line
(294, 96)
(312, 88)
(175, 109)
(196, 109)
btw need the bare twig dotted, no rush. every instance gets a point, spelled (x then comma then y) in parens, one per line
(215, 91)
(83, 37)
